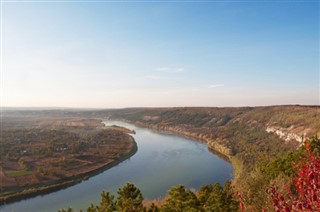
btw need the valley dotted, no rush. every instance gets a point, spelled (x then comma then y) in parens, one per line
(40, 155)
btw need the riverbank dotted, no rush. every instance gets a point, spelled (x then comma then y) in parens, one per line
(45, 188)
(163, 161)
(220, 150)
(215, 148)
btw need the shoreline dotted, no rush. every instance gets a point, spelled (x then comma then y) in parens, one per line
(232, 159)
(70, 181)
(46, 188)
(212, 146)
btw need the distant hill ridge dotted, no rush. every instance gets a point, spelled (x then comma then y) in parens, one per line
(247, 133)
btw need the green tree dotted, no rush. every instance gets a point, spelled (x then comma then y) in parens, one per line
(233, 203)
(215, 198)
(129, 199)
(107, 204)
(181, 199)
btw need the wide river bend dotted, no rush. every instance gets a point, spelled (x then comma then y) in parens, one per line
(162, 161)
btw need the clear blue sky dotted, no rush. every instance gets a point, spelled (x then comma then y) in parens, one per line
(129, 54)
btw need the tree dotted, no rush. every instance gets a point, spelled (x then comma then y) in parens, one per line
(304, 190)
(129, 199)
(181, 199)
(215, 198)
(107, 204)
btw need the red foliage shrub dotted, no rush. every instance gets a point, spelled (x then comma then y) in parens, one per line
(304, 194)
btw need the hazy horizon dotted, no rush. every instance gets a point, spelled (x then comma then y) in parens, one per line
(124, 54)
(111, 108)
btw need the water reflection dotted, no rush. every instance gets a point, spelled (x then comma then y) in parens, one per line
(162, 161)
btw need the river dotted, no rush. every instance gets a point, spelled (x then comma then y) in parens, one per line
(162, 161)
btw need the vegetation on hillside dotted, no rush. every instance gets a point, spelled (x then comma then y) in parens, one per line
(240, 130)
(276, 176)
(303, 193)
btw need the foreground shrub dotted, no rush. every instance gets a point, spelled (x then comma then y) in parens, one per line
(304, 190)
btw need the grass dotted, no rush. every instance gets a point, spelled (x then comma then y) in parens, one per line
(18, 173)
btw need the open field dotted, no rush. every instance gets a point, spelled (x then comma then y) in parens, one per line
(41, 151)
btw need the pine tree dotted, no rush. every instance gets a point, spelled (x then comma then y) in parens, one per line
(129, 199)
(107, 204)
(181, 199)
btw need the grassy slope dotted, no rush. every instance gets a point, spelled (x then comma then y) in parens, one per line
(242, 129)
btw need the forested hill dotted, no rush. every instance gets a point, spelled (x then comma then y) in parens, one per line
(301, 119)
(249, 133)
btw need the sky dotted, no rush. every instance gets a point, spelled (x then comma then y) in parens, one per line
(114, 54)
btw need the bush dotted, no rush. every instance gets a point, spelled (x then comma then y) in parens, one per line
(304, 190)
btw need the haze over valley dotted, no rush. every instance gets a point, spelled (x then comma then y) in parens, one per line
(159, 106)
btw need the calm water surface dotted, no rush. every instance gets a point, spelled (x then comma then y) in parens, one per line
(162, 161)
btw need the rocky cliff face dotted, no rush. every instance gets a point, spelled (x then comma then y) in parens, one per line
(287, 134)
